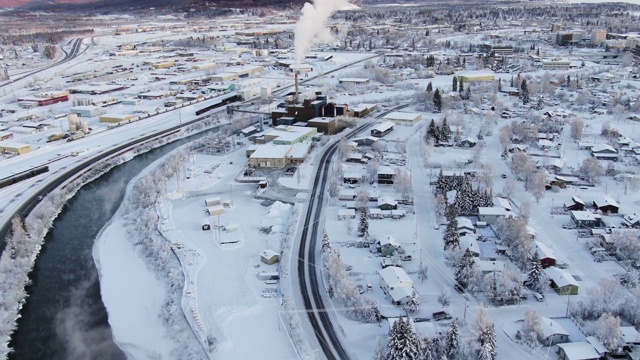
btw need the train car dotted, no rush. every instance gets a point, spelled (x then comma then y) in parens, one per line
(23, 176)
(224, 102)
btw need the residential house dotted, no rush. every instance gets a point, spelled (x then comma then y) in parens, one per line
(352, 178)
(389, 245)
(382, 129)
(604, 152)
(502, 202)
(597, 345)
(607, 205)
(386, 175)
(396, 284)
(269, 257)
(347, 194)
(346, 214)
(490, 215)
(552, 332)
(470, 242)
(577, 351)
(468, 142)
(387, 203)
(576, 204)
(631, 221)
(585, 219)
(630, 335)
(545, 254)
(561, 281)
(465, 226)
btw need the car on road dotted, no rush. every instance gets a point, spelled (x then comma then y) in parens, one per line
(441, 315)
(420, 319)
(436, 226)
(538, 296)
(459, 288)
(504, 176)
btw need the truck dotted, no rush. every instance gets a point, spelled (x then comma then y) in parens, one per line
(441, 315)
(75, 136)
(55, 137)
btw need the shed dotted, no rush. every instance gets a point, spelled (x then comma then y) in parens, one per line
(387, 203)
(346, 214)
(545, 254)
(269, 257)
(577, 351)
(215, 210)
(212, 201)
(206, 225)
(232, 227)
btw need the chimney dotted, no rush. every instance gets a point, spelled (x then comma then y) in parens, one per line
(296, 95)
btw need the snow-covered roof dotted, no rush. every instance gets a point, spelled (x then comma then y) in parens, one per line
(531, 231)
(487, 266)
(597, 345)
(395, 277)
(544, 252)
(583, 215)
(560, 277)
(346, 212)
(470, 242)
(577, 200)
(603, 147)
(268, 254)
(502, 202)
(401, 115)
(630, 335)
(606, 201)
(551, 327)
(498, 211)
(464, 223)
(386, 199)
(579, 351)
(271, 151)
(382, 127)
(299, 150)
(354, 80)
(389, 240)
(385, 170)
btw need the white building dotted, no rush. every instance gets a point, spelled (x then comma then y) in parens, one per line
(403, 118)
(396, 284)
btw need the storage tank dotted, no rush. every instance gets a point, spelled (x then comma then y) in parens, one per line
(264, 52)
(85, 127)
(73, 122)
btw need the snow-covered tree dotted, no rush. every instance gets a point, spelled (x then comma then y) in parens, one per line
(414, 302)
(440, 206)
(532, 326)
(437, 101)
(536, 278)
(445, 297)
(485, 336)
(445, 130)
(451, 235)
(465, 270)
(379, 353)
(627, 244)
(423, 272)
(326, 243)
(591, 170)
(334, 188)
(577, 127)
(539, 185)
(403, 343)
(451, 341)
(363, 225)
(607, 296)
(427, 349)
(608, 332)
(508, 188)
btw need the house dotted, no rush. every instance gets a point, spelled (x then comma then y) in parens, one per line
(386, 175)
(465, 226)
(577, 351)
(365, 141)
(597, 345)
(502, 202)
(396, 284)
(470, 242)
(490, 215)
(468, 142)
(545, 254)
(347, 194)
(352, 178)
(387, 203)
(552, 332)
(607, 205)
(631, 221)
(630, 335)
(489, 266)
(389, 245)
(346, 214)
(269, 257)
(382, 129)
(561, 281)
(576, 204)
(585, 219)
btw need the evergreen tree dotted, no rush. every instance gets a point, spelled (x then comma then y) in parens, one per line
(429, 87)
(460, 85)
(326, 243)
(499, 84)
(414, 302)
(437, 101)
(540, 103)
(451, 236)
(534, 277)
(524, 92)
(403, 343)
(485, 336)
(437, 136)
(513, 82)
(427, 351)
(464, 271)
(450, 213)
(454, 84)
(568, 80)
(431, 132)
(451, 341)
(445, 130)
(467, 93)
(363, 225)
(441, 184)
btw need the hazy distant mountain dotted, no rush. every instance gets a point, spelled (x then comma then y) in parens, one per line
(127, 4)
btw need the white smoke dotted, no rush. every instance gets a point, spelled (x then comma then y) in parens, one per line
(311, 29)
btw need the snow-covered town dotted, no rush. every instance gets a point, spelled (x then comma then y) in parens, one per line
(334, 180)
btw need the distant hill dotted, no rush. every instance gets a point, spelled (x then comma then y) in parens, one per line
(116, 5)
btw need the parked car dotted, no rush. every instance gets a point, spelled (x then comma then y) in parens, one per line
(459, 288)
(504, 176)
(538, 296)
(441, 315)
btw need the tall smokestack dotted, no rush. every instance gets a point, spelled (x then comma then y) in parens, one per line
(297, 88)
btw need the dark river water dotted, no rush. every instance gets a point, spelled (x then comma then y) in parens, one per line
(64, 317)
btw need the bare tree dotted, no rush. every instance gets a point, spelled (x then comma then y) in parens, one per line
(508, 188)
(577, 127)
(591, 170)
(539, 185)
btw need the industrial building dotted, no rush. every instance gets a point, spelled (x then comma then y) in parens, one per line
(114, 118)
(310, 108)
(16, 148)
(556, 64)
(472, 76)
(288, 135)
(569, 38)
(43, 99)
(95, 89)
(164, 65)
(353, 81)
(363, 110)
(403, 118)
(87, 111)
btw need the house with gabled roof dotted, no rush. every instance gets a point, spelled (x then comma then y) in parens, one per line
(396, 284)
(561, 281)
(607, 205)
(553, 332)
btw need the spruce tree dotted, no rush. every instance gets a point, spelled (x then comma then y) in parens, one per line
(414, 302)
(445, 130)
(326, 243)
(460, 85)
(454, 84)
(534, 276)
(487, 340)
(467, 93)
(363, 225)
(429, 87)
(451, 341)
(451, 236)
(431, 132)
(427, 349)
(524, 92)
(465, 268)
(403, 343)
(437, 101)
(499, 84)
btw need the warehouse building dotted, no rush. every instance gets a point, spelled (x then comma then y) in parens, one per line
(353, 81)
(289, 135)
(474, 76)
(87, 111)
(16, 148)
(403, 118)
(43, 99)
(270, 156)
(115, 118)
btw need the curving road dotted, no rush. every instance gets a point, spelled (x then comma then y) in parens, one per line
(308, 272)
(73, 53)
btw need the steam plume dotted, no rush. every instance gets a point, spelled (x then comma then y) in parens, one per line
(311, 28)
